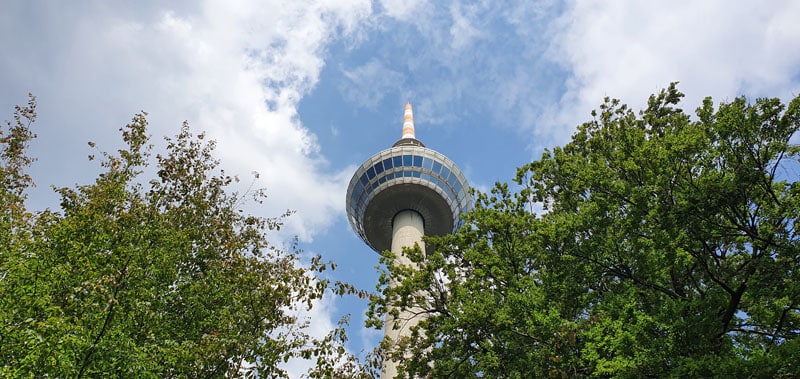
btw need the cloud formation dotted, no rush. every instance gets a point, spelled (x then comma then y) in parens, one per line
(369, 83)
(629, 50)
(236, 70)
(540, 67)
(240, 70)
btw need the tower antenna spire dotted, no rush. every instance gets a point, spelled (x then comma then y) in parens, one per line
(408, 122)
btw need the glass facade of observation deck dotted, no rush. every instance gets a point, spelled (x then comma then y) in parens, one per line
(408, 164)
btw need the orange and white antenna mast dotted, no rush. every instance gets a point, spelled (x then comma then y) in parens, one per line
(408, 122)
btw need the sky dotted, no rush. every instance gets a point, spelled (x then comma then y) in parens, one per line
(304, 91)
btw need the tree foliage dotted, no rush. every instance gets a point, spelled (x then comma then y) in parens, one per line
(166, 278)
(667, 247)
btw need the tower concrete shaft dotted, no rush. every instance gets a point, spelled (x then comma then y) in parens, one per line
(407, 231)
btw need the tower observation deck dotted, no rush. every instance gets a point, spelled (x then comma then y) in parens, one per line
(397, 196)
(407, 176)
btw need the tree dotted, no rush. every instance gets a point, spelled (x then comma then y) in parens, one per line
(164, 278)
(667, 247)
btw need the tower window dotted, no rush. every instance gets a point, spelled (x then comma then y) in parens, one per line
(436, 167)
(453, 179)
(445, 173)
(427, 163)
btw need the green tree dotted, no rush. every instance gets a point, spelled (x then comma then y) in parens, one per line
(667, 247)
(162, 278)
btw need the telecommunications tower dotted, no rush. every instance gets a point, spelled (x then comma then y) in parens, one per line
(397, 196)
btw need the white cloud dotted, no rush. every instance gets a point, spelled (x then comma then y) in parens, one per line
(369, 83)
(463, 31)
(236, 70)
(629, 50)
(462, 59)
(404, 10)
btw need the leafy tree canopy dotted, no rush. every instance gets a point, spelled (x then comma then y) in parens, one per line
(667, 247)
(161, 278)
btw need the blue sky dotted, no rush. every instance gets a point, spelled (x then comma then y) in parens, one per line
(304, 91)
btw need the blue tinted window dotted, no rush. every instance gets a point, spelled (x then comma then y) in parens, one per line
(447, 190)
(382, 180)
(457, 186)
(407, 160)
(407, 174)
(374, 185)
(398, 161)
(436, 167)
(379, 167)
(450, 194)
(425, 176)
(364, 179)
(415, 174)
(427, 163)
(453, 179)
(371, 173)
(445, 173)
(417, 161)
(453, 195)
(387, 163)
(389, 176)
